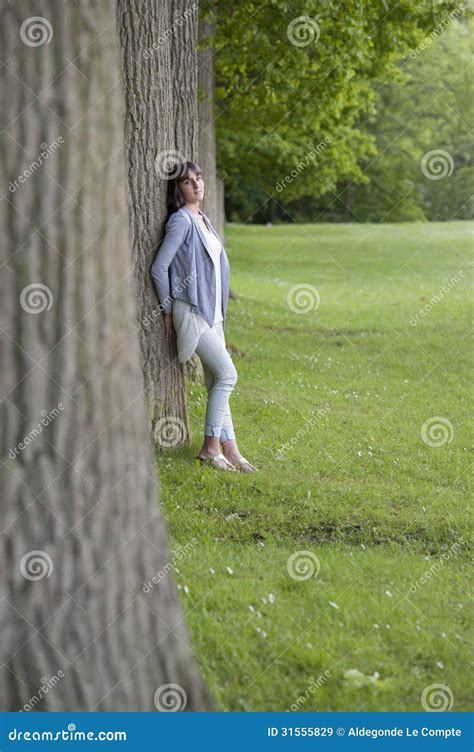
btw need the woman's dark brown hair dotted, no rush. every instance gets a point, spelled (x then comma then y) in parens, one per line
(176, 175)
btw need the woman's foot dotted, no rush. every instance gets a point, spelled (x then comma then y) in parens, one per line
(244, 465)
(210, 448)
(231, 453)
(215, 459)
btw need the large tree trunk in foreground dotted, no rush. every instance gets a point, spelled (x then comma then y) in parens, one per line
(81, 528)
(159, 43)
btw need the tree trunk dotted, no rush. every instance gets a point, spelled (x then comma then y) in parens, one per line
(213, 200)
(82, 530)
(214, 186)
(159, 48)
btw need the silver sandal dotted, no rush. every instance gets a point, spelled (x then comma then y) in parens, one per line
(214, 462)
(240, 466)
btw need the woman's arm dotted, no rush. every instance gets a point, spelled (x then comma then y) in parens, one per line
(176, 229)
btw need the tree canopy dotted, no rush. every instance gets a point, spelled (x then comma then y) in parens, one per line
(297, 87)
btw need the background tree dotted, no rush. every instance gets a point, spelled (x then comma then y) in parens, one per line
(420, 115)
(82, 531)
(214, 199)
(290, 74)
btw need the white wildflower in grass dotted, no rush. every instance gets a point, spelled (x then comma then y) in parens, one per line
(356, 679)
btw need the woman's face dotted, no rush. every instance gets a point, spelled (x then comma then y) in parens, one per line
(192, 188)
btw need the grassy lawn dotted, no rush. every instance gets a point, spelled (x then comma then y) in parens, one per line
(331, 404)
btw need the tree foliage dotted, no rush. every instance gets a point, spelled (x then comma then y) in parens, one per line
(425, 158)
(290, 75)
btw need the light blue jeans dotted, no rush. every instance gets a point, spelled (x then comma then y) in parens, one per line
(220, 377)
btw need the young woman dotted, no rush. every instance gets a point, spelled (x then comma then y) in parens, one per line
(191, 275)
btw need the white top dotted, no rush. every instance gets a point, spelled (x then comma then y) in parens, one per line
(214, 247)
(189, 325)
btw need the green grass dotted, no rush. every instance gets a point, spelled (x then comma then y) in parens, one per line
(354, 483)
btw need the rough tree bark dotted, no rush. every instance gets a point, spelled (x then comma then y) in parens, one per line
(159, 58)
(81, 528)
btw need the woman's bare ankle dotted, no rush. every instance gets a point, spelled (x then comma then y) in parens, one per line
(210, 449)
(230, 450)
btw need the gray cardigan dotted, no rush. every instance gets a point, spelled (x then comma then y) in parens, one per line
(183, 267)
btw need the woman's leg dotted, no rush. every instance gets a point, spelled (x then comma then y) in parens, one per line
(227, 436)
(220, 377)
(228, 440)
(227, 431)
